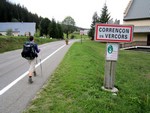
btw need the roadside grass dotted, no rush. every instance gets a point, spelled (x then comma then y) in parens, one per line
(75, 86)
(8, 43)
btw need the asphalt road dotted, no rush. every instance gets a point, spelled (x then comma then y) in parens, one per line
(15, 91)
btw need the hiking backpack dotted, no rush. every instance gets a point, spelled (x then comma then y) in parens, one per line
(28, 51)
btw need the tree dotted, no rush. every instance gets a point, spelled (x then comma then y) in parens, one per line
(68, 25)
(95, 20)
(53, 29)
(44, 25)
(10, 12)
(60, 31)
(105, 16)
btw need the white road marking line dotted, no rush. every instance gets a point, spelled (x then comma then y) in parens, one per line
(23, 75)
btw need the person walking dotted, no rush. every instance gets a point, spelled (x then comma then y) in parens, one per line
(32, 62)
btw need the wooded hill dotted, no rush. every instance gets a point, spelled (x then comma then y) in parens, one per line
(15, 13)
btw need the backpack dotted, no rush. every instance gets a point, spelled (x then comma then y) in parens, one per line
(28, 51)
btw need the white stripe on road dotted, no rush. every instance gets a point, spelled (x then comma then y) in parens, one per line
(23, 75)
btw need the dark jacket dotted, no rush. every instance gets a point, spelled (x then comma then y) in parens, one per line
(37, 50)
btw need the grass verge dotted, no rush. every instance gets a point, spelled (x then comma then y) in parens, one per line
(8, 43)
(75, 87)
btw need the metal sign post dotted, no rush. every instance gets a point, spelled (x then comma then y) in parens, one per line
(113, 35)
(81, 33)
(81, 39)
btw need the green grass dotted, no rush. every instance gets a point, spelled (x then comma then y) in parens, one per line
(75, 86)
(8, 43)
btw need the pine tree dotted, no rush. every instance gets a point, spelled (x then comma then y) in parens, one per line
(105, 16)
(53, 29)
(95, 20)
(10, 12)
(44, 25)
(60, 31)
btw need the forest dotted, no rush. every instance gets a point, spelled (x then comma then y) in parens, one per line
(15, 13)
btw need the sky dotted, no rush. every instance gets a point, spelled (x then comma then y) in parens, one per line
(81, 11)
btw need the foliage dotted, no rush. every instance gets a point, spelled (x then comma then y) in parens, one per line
(9, 32)
(92, 30)
(8, 43)
(68, 25)
(60, 31)
(75, 87)
(104, 17)
(37, 34)
(55, 30)
(51, 29)
(44, 25)
(15, 13)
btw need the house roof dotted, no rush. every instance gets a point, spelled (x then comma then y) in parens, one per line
(20, 27)
(138, 9)
(142, 29)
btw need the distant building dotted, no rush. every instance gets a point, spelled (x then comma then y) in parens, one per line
(18, 28)
(84, 31)
(137, 13)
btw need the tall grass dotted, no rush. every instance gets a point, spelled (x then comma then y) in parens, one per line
(75, 86)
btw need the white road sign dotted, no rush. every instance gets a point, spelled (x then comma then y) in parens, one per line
(113, 33)
(112, 51)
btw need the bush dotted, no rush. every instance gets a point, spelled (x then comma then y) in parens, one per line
(9, 32)
(72, 36)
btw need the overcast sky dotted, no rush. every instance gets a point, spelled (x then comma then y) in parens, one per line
(80, 10)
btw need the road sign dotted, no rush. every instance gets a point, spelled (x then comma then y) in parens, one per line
(112, 51)
(113, 33)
